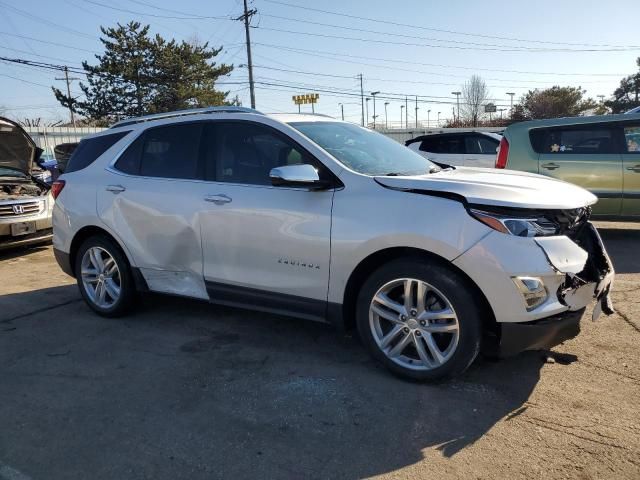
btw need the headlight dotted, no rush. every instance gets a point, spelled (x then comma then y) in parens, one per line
(520, 227)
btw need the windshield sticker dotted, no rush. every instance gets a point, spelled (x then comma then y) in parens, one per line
(555, 148)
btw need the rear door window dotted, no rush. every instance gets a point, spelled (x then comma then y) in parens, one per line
(171, 151)
(480, 145)
(585, 140)
(90, 149)
(444, 144)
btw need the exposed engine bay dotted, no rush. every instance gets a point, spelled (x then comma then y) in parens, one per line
(12, 190)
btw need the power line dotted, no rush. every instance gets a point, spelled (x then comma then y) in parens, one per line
(133, 12)
(454, 47)
(49, 43)
(401, 35)
(524, 72)
(45, 21)
(454, 32)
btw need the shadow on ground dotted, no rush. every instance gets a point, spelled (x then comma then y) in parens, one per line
(623, 247)
(186, 388)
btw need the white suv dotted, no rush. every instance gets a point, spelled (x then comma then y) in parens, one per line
(321, 219)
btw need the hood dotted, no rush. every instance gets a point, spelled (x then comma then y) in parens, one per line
(504, 188)
(17, 149)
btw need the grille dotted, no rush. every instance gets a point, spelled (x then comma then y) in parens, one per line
(20, 209)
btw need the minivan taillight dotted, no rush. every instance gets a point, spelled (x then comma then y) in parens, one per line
(57, 187)
(503, 153)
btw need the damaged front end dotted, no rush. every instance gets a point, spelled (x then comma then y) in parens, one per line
(593, 280)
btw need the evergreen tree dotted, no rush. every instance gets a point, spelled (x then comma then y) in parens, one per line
(139, 74)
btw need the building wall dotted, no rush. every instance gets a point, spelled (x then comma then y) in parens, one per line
(48, 137)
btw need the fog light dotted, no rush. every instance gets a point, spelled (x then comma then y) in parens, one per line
(533, 291)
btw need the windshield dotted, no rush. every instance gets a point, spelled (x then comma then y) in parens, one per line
(365, 151)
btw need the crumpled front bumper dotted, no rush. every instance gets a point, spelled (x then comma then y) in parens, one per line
(575, 271)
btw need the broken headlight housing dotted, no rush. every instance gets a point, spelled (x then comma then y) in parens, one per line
(518, 225)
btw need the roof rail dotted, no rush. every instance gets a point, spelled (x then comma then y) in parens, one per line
(181, 113)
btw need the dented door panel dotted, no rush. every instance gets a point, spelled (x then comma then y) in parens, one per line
(159, 219)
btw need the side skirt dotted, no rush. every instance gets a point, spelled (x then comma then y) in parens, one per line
(264, 301)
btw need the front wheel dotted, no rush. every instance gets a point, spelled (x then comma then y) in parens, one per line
(422, 321)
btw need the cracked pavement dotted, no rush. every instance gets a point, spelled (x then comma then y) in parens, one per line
(184, 389)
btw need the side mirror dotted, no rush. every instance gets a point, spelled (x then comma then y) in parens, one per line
(303, 175)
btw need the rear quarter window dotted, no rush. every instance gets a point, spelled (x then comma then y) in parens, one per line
(90, 149)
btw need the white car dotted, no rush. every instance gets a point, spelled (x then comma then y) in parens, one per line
(469, 149)
(321, 219)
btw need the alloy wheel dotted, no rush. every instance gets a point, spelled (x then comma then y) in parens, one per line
(414, 324)
(100, 277)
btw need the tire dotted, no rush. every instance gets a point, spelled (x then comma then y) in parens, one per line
(437, 348)
(111, 254)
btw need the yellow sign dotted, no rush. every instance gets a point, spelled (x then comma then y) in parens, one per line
(306, 98)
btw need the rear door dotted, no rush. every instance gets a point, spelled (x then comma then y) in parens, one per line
(631, 168)
(585, 155)
(480, 150)
(151, 198)
(444, 148)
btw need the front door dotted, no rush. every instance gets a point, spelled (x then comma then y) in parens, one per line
(631, 169)
(263, 246)
(585, 156)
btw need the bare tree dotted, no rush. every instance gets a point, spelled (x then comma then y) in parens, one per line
(474, 94)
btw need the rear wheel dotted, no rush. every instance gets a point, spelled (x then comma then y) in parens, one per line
(104, 277)
(422, 321)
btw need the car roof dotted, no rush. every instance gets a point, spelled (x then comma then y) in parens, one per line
(552, 122)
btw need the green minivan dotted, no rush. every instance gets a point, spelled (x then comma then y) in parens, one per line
(599, 153)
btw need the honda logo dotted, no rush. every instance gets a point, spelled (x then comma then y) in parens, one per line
(18, 209)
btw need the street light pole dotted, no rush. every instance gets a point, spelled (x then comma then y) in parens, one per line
(373, 94)
(367, 110)
(401, 111)
(342, 110)
(386, 123)
(457, 94)
(511, 94)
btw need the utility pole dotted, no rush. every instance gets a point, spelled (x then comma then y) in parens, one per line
(247, 19)
(428, 118)
(457, 94)
(342, 110)
(406, 112)
(438, 119)
(361, 99)
(373, 94)
(416, 111)
(69, 80)
(511, 94)
(386, 123)
(401, 111)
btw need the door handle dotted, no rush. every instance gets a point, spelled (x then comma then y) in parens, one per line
(635, 168)
(219, 199)
(550, 166)
(115, 189)
(473, 159)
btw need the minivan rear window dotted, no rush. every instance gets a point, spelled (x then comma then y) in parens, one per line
(90, 149)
